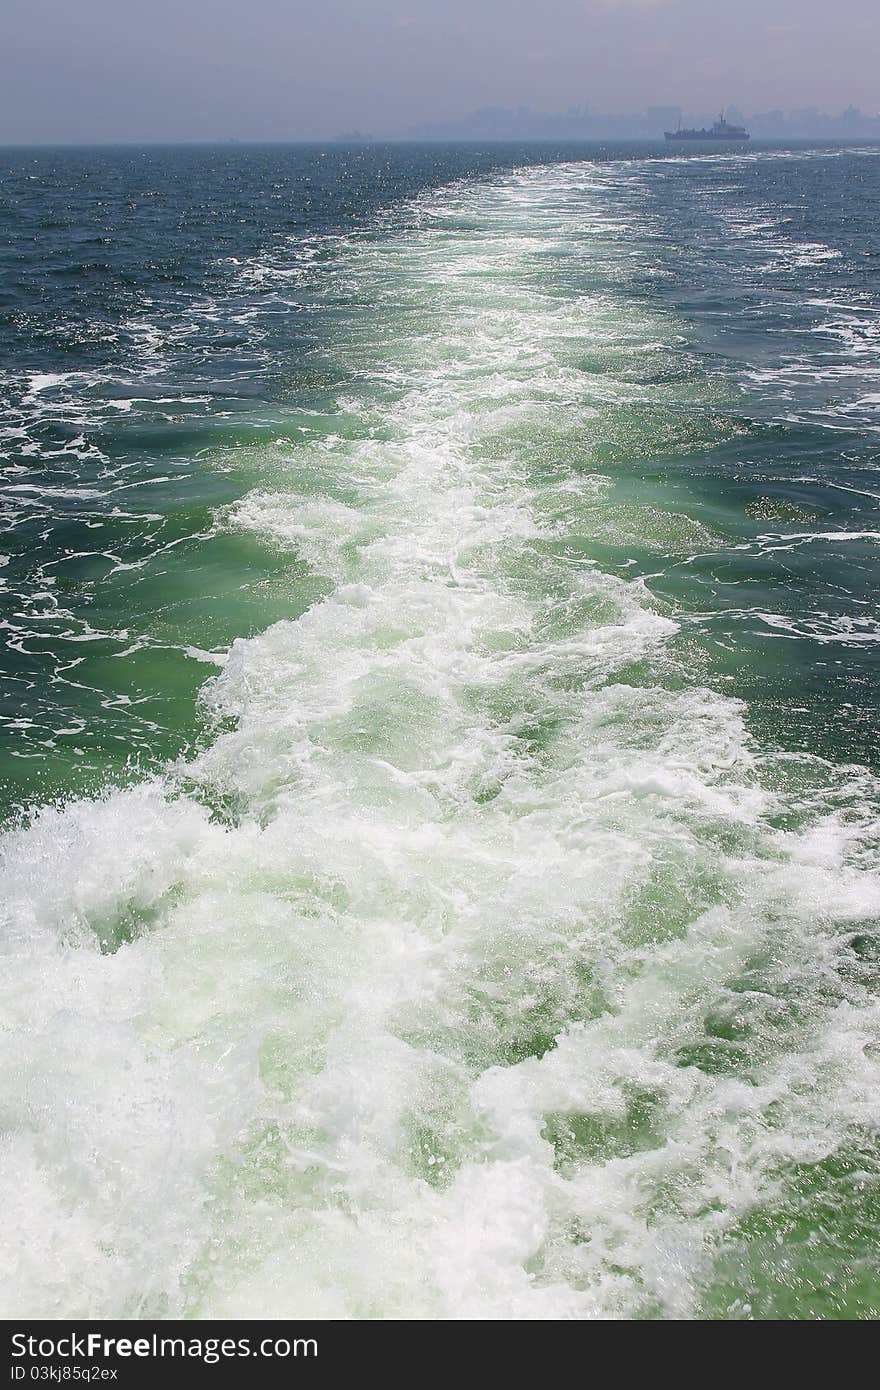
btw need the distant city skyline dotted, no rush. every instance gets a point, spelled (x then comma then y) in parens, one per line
(96, 70)
(584, 122)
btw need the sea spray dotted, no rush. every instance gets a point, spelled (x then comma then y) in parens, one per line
(483, 963)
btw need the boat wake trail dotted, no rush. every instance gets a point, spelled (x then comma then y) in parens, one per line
(481, 965)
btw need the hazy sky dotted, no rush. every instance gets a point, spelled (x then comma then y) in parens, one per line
(289, 69)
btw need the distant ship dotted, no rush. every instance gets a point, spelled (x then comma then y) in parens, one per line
(721, 130)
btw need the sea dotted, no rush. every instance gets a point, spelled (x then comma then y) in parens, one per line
(439, 763)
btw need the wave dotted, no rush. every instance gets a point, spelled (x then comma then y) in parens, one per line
(481, 965)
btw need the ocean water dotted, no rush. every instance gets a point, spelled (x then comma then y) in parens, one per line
(438, 755)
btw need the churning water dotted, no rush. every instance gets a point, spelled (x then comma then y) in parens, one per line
(439, 709)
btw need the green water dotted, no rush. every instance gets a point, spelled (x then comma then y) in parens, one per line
(467, 903)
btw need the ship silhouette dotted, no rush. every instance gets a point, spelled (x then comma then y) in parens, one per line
(721, 130)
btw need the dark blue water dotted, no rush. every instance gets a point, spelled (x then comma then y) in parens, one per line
(438, 731)
(163, 309)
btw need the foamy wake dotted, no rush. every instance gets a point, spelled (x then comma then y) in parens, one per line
(480, 967)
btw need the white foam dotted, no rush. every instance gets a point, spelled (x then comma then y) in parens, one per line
(403, 1027)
